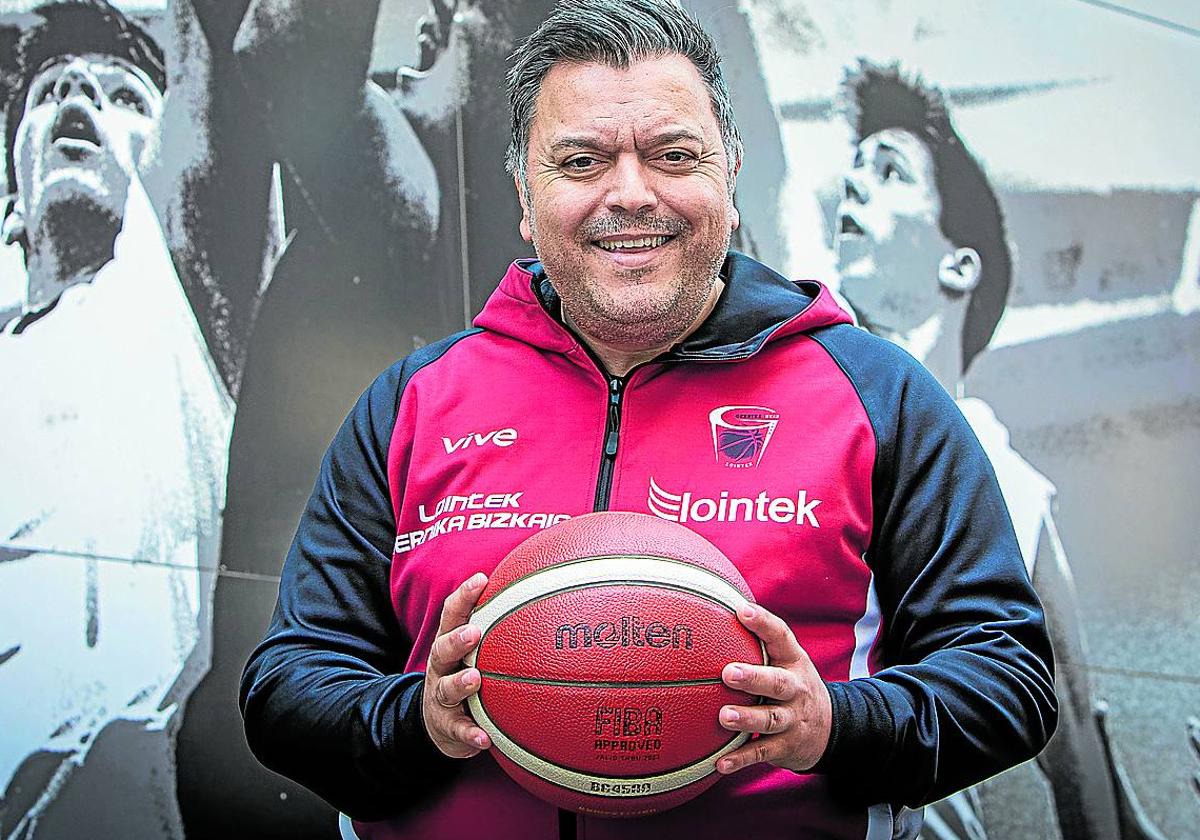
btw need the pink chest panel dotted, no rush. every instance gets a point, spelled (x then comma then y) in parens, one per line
(775, 470)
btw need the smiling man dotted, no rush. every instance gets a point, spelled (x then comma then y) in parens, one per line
(636, 257)
(908, 652)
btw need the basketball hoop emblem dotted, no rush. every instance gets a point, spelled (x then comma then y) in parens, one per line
(741, 433)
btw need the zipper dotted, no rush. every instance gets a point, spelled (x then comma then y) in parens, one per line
(612, 427)
(568, 822)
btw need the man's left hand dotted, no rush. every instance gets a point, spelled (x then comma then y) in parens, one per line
(795, 718)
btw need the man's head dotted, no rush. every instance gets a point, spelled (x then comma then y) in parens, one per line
(919, 228)
(90, 91)
(624, 152)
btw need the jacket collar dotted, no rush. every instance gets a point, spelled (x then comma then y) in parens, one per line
(757, 306)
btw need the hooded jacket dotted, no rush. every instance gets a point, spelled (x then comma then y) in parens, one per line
(826, 463)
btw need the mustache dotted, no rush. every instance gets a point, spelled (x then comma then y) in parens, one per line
(616, 223)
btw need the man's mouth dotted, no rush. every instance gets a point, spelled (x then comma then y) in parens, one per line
(74, 131)
(848, 227)
(632, 244)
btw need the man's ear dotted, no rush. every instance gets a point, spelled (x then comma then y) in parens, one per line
(526, 227)
(735, 216)
(959, 271)
(13, 229)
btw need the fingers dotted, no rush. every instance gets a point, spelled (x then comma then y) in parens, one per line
(447, 684)
(453, 731)
(457, 608)
(449, 649)
(449, 692)
(767, 720)
(474, 739)
(449, 726)
(455, 638)
(753, 752)
(781, 644)
(794, 722)
(763, 680)
(784, 742)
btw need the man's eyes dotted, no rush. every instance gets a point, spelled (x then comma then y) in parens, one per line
(891, 171)
(677, 156)
(580, 163)
(119, 91)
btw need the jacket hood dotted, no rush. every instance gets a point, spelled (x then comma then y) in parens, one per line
(757, 306)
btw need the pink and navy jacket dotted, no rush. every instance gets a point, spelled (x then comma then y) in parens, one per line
(827, 464)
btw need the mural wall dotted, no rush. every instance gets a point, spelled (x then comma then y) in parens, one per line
(224, 217)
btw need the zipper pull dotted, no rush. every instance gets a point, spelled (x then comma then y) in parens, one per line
(614, 420)
(610, 445)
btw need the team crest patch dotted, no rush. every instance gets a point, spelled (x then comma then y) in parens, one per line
(741, 433)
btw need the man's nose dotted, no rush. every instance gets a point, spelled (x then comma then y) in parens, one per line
(77, 81)
(630, 189)
(854, 188)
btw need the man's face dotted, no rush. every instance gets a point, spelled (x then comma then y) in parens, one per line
(629, 202)
(888, 241)
(86, 121)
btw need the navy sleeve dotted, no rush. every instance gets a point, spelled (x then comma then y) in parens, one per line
(323, 697)
(966, 688)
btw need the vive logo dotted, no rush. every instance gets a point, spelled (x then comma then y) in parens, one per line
(499, 437)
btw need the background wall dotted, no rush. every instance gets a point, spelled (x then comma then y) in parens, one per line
(323, 192)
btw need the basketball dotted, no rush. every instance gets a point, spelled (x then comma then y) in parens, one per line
(603, 640)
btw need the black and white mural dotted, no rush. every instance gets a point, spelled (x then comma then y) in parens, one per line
(223, 217)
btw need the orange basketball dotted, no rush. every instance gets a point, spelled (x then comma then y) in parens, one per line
(603, 642)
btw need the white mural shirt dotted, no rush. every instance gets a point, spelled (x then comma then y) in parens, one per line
(1028, 494)
(114, 449)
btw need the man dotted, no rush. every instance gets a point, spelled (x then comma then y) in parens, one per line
(924, 261)
(75, 134)
(909, 656)
(115, 435)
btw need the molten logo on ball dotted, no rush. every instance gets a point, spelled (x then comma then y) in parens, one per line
(741, 433)
(630, 631)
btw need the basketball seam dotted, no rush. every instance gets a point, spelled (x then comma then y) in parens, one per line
(691, 568)
(499, 737)
(590, 558)
(602, 684)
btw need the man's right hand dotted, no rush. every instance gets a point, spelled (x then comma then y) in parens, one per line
(447, 683)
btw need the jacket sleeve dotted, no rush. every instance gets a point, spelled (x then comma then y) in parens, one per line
(966, 688)
(323, 697)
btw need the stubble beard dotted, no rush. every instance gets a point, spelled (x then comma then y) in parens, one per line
(637, 322)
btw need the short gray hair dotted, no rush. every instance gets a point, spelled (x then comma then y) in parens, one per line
(616, 33)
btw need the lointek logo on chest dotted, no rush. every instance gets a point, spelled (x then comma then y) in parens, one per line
(499, 437)
(725, 507)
